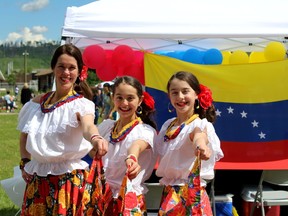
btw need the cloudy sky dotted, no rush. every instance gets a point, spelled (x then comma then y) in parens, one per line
(34, 20)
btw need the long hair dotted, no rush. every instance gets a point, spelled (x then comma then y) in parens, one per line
(147, 112)
(191, 79)
(81, 87)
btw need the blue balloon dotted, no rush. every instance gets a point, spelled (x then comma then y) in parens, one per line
(193, 56)
(176, 54)
(212, 57)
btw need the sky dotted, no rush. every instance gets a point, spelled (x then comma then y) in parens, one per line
(34, 20)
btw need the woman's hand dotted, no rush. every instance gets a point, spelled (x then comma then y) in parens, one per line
(100, 145)
(27, 177)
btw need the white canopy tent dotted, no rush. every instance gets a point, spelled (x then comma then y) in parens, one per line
(172, 25)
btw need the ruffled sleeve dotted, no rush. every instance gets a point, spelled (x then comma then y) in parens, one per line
(213, 144)
(26, 114)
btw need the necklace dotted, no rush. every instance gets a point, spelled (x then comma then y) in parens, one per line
(172, 134)
(46, 105)
(117, 137)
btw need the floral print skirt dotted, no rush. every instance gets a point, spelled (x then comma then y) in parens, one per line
(54, 194)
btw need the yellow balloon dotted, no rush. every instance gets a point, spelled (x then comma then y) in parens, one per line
(226, 56)
(239, 57)
(256, 57)
(275, 51)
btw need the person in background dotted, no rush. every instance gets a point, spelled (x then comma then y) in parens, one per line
(97, 99)
(131, 142)
(16, 92)
(107, 101)
(26, 94)
(57, 130)
(9, 100)
(182, 143)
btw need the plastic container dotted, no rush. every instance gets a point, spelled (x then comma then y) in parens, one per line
(247, 203)
(223, 205)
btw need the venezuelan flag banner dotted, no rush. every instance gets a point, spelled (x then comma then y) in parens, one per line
(251, 103)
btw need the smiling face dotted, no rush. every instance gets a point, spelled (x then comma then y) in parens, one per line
(66, 72)
(126, 101)
(182, 97)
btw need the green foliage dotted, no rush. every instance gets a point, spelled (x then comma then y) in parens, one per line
(39, 57)
(10, 157)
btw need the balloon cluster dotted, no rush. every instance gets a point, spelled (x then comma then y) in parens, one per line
(123, 60)
(108, 64)
(274, 51)
(209, 57)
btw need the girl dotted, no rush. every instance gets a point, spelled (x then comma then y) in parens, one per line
(182, 143)
(131, 140)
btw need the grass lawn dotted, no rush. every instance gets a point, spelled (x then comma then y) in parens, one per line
(10, 157)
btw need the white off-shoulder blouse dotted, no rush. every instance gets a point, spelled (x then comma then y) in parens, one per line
(55, 139)
(114, 160)
(177, 155)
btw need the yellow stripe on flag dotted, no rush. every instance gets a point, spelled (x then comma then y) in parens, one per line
(246, 83)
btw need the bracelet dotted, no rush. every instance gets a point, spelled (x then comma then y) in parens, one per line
(132, 157)
(23, 161)
(93, 136)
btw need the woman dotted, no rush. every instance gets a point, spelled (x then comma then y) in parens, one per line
(57, 130)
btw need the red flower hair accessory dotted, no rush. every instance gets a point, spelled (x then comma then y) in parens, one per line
(148, 100)
(84, 74)
(205, 97)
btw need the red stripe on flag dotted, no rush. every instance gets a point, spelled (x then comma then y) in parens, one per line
(254, 155)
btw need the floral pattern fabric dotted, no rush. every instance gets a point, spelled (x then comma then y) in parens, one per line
(189, 199)
(64, 191)
(127, 203)
(98, 194)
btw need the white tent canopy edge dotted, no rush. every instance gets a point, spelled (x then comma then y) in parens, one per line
(177, 25)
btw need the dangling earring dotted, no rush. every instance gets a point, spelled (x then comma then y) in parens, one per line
(170, 110)
(139, 110)
(197, 104)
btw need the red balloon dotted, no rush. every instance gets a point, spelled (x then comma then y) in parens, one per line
(108, 72)
(122, 57)
(94, 57)
(137, 71)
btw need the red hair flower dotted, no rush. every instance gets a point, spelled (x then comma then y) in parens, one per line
(148, 100)
(205, 97)
(84, 74)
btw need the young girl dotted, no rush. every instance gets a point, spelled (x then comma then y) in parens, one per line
(182, 143)
(131, 140)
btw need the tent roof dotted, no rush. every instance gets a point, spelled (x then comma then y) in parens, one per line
(177, 25)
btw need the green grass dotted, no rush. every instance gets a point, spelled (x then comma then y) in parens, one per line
(10, 157)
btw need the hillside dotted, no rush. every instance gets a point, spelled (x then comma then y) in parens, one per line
(38, 57)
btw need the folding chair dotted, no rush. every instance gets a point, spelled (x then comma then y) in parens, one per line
(271, 197)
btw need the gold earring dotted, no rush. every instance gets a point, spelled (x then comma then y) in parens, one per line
(170, 110)
(139, 110)
(197, 104)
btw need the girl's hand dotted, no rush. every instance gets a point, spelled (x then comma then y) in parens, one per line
(133, 168)
(205, 152)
